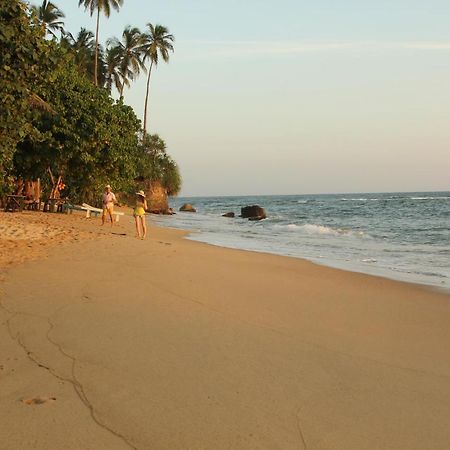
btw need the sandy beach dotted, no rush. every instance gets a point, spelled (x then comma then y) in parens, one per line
(110, 342)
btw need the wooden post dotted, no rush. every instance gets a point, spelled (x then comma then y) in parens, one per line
(38, 193)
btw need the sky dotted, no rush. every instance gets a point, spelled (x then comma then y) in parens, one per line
(296, 97)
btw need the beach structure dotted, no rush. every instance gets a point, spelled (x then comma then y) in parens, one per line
(27, 195)
(54, 202)
(89, 210)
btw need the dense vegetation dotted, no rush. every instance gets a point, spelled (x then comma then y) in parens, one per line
(56, 109)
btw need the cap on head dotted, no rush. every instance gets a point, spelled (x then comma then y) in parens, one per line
(141, 193)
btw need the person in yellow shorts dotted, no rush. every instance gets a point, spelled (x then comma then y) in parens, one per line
(139, 214)
(108, 204)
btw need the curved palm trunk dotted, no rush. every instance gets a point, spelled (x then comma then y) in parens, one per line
(96, 48)
(146, 98)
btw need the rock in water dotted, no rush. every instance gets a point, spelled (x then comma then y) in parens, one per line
(256, 218)
(253, 212)
(228, 214)
(187, 207)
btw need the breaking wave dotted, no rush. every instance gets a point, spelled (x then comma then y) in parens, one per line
(319, 229)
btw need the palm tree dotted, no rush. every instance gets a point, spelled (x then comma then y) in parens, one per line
(82, 48)
(49, 16)
(113, 74)
(157, 42)
(105, 7)
(128, 53)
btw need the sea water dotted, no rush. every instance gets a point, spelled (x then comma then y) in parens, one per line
(404, 236)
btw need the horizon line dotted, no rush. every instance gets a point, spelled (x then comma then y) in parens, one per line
(323, 193)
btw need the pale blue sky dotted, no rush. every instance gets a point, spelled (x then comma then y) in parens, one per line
(292, 97)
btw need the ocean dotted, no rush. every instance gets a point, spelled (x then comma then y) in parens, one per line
(403, 236)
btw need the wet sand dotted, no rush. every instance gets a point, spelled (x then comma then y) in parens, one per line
(110, 342)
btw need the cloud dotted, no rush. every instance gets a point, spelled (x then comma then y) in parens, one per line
(426, 45)
(271, 48)
(274, 48)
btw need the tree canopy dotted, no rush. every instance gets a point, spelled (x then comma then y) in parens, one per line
(156, 164)
(53, 116)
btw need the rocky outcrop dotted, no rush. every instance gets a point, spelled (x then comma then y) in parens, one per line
(187, 207)
(253, 212)
(157, 199)
(228, 214)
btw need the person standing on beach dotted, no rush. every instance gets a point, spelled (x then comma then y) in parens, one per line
(108, 204)
(139, 214)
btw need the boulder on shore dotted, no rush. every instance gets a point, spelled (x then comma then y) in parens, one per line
(157, 199)
(228, 214)
(187, 207)
(253, 212)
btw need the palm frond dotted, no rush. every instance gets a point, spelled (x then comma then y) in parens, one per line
(38, 103)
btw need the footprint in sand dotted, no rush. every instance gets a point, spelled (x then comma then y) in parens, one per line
(38, 400)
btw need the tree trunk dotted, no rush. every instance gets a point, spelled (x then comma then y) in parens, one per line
(146, 98)
(96, 48)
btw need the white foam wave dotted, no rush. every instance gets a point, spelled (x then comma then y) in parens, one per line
(429, 198)
(318, 229)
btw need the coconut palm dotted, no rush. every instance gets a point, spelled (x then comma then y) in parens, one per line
(105, 7)
(83, 50)
(113, 74)
(128, 52)
(49, 16)
(156, 43)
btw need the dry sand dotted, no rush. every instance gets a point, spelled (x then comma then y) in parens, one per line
(116, 343)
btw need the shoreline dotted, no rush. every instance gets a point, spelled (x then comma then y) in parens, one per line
(172, 343)
(80, 229)
(329, 265)
(87, 229)
(401, 236)
(432, 287)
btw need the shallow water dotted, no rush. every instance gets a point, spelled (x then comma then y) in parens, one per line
(403, 236)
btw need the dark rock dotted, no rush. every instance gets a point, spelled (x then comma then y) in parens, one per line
(256, 218)
(253, 212)
(161, 212)
(187, 207)
(228, 214)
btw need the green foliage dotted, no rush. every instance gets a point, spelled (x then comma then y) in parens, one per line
(125, 57)
(82, 50)
(49, 16)
(52, 116)
(157, 42)
(25, 64)
(105, 7)
(156, 165)
(90, 139)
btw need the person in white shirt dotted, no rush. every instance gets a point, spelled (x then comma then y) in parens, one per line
(108, 204)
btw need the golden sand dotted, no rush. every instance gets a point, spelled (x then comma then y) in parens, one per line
(111, 342)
